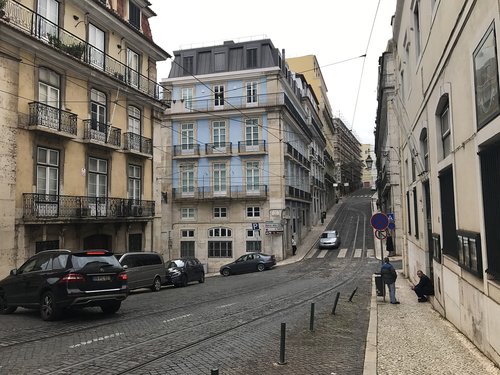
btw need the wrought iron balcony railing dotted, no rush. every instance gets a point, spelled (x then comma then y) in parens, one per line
(41, 28)
(294, 153)
(251, 146)
(187, 150)
(60, 207)
(218, 148)
(138, 144)
(100, 132)
(227, 192)
(46, 116)
(292, 192)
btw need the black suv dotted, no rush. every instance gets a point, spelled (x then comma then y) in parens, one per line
(183, 270)
(53, 280)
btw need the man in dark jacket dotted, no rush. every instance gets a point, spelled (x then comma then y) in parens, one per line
(389, 277)
(424, 287)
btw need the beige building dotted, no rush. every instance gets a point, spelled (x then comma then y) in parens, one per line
(446, 105)
(79, 119)
(369, 172)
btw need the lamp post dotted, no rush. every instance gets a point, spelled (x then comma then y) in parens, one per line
(369, 162)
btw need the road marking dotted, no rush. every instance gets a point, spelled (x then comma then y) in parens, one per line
(224, 306)
(176, 318)
(370, 253)
(357, 253)
(311, 254)
(322, 253)
(102, 338)
(342, 253)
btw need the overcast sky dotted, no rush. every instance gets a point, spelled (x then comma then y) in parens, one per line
(333, 30)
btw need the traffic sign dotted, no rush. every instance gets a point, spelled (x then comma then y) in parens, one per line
(390, 215)
(381, 234)
(255, 226)
(379, 221)
(391, 225)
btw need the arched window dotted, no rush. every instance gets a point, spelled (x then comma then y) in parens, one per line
(443, 122)
(424, 148)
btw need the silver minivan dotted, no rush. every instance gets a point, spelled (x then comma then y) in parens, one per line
(144, 270)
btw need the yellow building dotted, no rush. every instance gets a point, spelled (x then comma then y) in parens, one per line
(79, 108)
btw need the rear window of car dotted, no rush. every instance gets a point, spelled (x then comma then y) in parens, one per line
(176, 263)
(329, 235)
(80, 260)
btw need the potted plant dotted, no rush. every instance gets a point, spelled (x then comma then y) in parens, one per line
(75, 49)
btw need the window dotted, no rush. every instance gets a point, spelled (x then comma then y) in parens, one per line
(220, 61)
(219, 134)
(252, 176)
(187, 65)
(219, 178)
(253, 211)
(220, 212)
(47, 24)
(415, 211)
(252, 58)
(187, 233)
(187, 97)
(188, 213)
(49, 88)
(424, 148)
(251, 93)
(134, 15)
(220, 248)
(134, 181)
(98, 115)
(219, 232)
(253, 246)
(96, 46)
(251, 132)
(443, 115)
(469, 252)
(134, 120)
(98, 177)
(218, 96)
(416, 27)
(47, 173)
(187, 179)
(187, 243)
(132, 68)
(187, 137)
(408, 212)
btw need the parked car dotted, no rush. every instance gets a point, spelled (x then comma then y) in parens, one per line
(249, 262)
(54, 280)
(181, 271)
(144, 269)
(329, 239)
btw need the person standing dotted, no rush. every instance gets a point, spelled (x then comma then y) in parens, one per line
(424, 287)
(389, 245)
(389, 276)
(294, 246)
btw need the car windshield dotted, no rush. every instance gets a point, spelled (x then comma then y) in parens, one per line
(329, 235)
(175, 263)
(81, 260)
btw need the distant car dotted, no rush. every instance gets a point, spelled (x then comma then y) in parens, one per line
(330, 239)
(54, 280)
(250, 262)
(181, 271)
(373, 188)
(144, 269)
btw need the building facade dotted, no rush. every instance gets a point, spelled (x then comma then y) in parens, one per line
(79, 110)
(246, 165)
(369, 172)
(447, 108)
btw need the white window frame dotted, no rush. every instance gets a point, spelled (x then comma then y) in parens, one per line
(47, 171)
(252, 177)
(253, 211)
(252, 134)
(96, 47)
(134, 182)
(218, 96)
(219, 135)
(133, 64)
(251, 94)
(187, 97)
(188, 213)
(220, 212)
(187, 179)
(219, 178)
(187, 138)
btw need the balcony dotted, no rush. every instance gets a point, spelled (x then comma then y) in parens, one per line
(33, 24)
(99, 133)
(256, 192)
(52, 120)
(252, 147)
(56, 208)
(295, 154)
(295, 193)
(218, 148)
(188, 151)
(138, 145)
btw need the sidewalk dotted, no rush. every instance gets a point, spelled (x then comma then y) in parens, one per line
(413, 338)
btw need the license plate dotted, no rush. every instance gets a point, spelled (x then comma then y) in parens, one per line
(101, 278)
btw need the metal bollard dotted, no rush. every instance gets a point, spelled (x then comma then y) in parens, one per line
(352, 294)
(214, 371)
(311, 321)
(282, 345)
(335, 303)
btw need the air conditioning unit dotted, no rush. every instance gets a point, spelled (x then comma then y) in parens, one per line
(136, 211)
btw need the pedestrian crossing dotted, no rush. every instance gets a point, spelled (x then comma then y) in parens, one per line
(342, 253)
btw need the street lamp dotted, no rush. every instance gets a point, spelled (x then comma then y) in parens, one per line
(369, 162)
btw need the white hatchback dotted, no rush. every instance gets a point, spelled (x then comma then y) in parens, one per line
(329, 239)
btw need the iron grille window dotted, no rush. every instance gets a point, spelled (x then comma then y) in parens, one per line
(469, 252)
(220, 249)
(254, 246)
(187, 248)
(436, 247)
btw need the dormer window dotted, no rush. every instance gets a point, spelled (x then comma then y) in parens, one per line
(134, 15)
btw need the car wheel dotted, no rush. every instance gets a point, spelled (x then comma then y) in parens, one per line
(156, 287)
(226, 272)
(111, 307)
(48, 307)
(260, 267)
(202, 278)
(4, 309)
